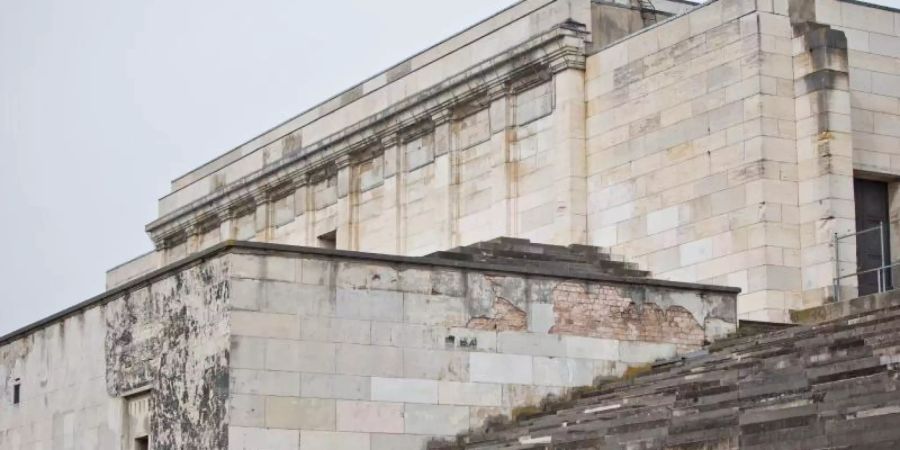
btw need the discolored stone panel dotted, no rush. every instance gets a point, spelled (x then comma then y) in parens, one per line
(610, 312)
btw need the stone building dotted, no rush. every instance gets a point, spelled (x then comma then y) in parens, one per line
(289, 303)
(258, 346)
(725, 145)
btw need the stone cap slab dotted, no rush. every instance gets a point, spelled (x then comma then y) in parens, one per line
(846, 308)
(549, 269)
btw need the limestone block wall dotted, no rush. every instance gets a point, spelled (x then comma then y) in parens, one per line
(253, 345)
(64, 402)
(718, 146)
(410, 77)
(873, 38)
(873, 41)
(692, 162)
(78, 373)
(478, 137)
(337, 351)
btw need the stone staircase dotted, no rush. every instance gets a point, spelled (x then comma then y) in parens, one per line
(575, 259)
(831, 385)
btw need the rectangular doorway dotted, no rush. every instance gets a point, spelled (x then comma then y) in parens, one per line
(142, 443)
(871, 199)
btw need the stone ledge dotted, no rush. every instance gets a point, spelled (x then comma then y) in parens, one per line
(846, 308)
(557, 271)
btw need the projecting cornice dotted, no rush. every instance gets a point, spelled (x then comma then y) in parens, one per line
(520, 67)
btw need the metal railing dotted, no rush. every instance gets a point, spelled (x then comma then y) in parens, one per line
(880, 271)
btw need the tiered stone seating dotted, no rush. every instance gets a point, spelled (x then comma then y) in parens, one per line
(832, 385)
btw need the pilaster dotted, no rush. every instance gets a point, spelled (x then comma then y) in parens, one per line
(393, 190)
(261, 216)
(226, 225)
(570, 164)
(446, 180)
(825, 162)
(346, 205)
(503, 177)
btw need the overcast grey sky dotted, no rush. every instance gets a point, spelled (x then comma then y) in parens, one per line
(104, 102)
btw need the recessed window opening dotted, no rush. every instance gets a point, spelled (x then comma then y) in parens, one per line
(328, 240)
(17, 392)
(142, 443)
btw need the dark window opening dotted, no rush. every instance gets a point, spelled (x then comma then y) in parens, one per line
(142, 443)
(17, 393)
(328, 240)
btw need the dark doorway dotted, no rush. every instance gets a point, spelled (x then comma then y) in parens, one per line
(142, 443)
(871, 199)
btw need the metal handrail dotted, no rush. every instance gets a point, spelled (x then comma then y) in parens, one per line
(863, 272)
(858, 232)
(879, 271)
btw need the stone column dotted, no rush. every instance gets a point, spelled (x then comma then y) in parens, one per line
(346, 205)
(825, 161)
(570, 161)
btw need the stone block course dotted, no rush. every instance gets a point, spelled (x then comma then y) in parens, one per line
(246, 323)
(325, 329)
(500, 368)
(346, 387)
(265, 382)
(436, 365)
(403, 390)
(368, 360)
(369, 305)
(540, 344)
(300, 413)
(376, 417)
(241, 438)
(439, 420)
(328, 440)
(382, 441)
(477, 394)
(247, 410)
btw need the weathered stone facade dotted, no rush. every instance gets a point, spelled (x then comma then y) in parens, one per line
(261, 346)
(717, 146)
(84, 377)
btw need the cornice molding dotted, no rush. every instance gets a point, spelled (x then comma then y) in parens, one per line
(563, 47)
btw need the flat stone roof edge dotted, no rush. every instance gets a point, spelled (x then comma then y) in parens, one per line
(284, 249)
(318, 104)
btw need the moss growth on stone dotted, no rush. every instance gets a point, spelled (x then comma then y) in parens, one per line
(633, 372)
(525, 412)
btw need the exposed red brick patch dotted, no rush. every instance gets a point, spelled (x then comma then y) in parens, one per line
(607, 313)
(504, 317)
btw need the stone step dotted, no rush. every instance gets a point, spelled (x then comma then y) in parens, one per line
(830, 385)
(576, 259)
